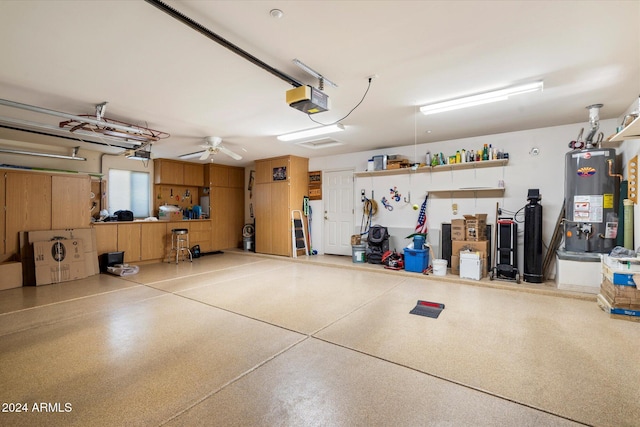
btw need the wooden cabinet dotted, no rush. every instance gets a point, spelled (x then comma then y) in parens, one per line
(2, 218)
(148, 241)
(224, 176)
(106, 238)
(70, 196)
(226, 191)
(200, 234)
(281, 184)
(178, 173)
(236, 178)
(129, 241)
(168, 172)
(41, 201)
(227, 217)
(193, 174)
(153, 240)
(28, 205)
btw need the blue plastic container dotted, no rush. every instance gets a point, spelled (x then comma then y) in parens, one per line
(418, 242)
(416, 260)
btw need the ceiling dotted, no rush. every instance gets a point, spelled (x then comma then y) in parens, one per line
(156, 72)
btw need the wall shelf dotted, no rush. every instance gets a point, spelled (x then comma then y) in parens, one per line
(632, 131)
(459, 191)
(441, 168)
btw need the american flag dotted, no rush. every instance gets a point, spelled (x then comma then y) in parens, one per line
(421, 227)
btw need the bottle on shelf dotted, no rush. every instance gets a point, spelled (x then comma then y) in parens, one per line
(485, 152)
(458, 157)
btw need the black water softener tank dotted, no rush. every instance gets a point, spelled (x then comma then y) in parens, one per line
(533, 238)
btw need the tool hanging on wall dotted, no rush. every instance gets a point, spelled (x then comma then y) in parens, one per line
(386, 204)
(369, 210)
(395, 194)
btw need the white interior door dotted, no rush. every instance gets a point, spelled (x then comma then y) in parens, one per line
(338, 211)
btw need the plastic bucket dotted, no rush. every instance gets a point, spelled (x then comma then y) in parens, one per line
(357, 252)
(439, 267)
(418, 242)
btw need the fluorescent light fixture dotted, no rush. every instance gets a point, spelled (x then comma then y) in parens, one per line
(479, 99)
(308, 133)
(54, 156)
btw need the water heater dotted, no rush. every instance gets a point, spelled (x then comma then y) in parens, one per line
(591, 221)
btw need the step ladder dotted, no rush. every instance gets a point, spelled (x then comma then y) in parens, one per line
(298, 234)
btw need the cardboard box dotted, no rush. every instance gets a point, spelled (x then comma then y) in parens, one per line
(618, 277)
(455, 264)
(480, 246)
(11, 273)
(475, 227)
(59, 261)
(87, 235)
(483, 247)
(458, 231)
(621, 296)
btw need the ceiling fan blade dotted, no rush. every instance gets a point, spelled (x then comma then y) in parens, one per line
(205, 155)
(229, 153)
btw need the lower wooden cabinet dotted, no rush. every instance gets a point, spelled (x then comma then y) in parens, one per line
(106, 238)
(129, 241)
(200, 234)
(146, 241)
(153, 240)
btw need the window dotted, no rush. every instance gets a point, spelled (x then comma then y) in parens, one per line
(129, 191)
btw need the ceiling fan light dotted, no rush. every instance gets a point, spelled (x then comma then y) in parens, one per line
(308, 133)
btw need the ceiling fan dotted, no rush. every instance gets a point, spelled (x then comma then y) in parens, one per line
(213, 145)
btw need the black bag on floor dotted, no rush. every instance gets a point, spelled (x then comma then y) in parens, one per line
(377, 244)
(195, 251)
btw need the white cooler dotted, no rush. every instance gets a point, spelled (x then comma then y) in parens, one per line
(470, 265)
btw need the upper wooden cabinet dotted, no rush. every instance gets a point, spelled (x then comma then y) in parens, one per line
(193, 174)
(276, 169)
(70, 196)
(168, 172)
(28, 200)
(224, 176)
(42, 201)
(2, 218)
(178, 173)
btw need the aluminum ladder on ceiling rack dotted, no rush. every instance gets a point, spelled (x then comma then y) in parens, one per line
(298, 234)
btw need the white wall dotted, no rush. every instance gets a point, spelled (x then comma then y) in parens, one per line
(524, 171)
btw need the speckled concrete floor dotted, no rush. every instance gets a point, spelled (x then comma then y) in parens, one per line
(238, 339)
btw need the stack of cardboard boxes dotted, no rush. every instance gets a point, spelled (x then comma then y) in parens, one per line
(619, 291)
(469, 234)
